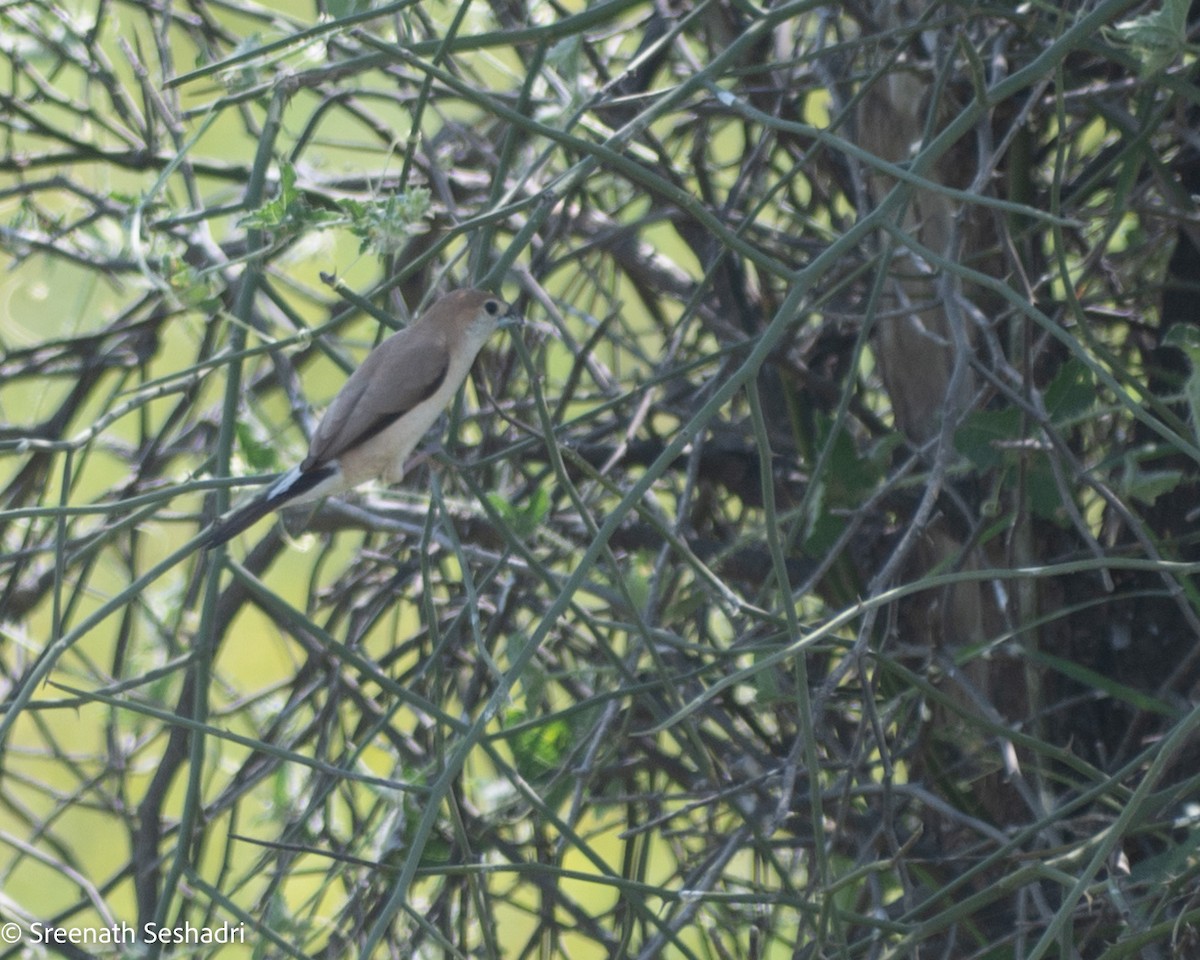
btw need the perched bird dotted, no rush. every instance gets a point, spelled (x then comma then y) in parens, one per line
(384, 409)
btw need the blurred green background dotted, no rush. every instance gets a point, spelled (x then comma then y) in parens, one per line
(812, 574)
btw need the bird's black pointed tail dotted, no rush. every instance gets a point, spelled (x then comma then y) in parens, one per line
(241, 519)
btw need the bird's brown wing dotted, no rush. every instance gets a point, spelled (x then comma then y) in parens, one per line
(397, 375)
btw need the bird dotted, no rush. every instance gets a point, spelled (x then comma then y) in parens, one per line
(384, 409)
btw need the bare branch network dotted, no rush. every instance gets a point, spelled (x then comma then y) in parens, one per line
(812, 575)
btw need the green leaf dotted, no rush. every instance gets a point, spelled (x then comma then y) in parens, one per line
(823, 530)
(1071, 393)
(1148, 485)
(538, 506)
(1186, 338)
(565, 56)
(989, 440)
(539, 749)
(386, 225)
(257, 450)
(288, 212)
(191, 287)
(274, 213)
(1044, 498)
(524, 520)
(981, 433)
(1156, 39)
(504, 507)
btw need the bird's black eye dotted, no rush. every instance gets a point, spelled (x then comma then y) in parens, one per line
(492, 307)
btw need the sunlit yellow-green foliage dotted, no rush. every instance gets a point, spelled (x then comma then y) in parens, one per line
(684, 636)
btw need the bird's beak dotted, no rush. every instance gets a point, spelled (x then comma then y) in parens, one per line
(511, 319)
